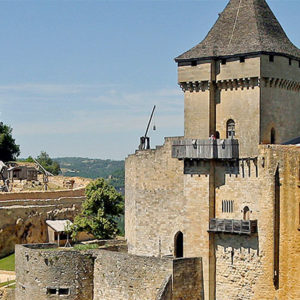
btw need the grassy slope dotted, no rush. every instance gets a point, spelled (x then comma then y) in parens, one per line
(8, 263)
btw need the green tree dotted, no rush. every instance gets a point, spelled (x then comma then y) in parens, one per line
(50, 165)
(29, 159)
(100, 210)
(8, 148)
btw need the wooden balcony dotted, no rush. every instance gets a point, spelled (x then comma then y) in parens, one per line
(205, 149)
(233, 226)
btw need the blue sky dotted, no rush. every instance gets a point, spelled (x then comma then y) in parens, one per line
(79, 78)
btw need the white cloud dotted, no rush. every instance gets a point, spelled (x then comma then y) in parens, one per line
(85, 108)
(48, 115)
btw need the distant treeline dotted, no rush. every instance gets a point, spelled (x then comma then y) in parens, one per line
(112, 170)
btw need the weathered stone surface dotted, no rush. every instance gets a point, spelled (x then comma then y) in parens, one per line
(163, 197)
(39, 270)
(23, 215)
(43, 270)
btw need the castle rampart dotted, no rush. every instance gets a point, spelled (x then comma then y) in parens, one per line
(47, 272)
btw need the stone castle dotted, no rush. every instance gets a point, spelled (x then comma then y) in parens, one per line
(214, 214)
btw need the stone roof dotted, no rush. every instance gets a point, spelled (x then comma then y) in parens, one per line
(244, 27)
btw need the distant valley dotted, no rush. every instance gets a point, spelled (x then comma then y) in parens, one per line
(112, 170)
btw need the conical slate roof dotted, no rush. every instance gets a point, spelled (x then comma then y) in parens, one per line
(244, 27)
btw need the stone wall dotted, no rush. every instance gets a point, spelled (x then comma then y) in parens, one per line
(280, 105)
(154, 201)
(128, 277)
(7, 294)
(238, 265)
(287, 159)
(164, 196)
(187, 279)
(44, 272)
(23, 215)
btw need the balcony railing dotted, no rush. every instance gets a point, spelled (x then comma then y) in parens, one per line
(205, 149)
(233, 226)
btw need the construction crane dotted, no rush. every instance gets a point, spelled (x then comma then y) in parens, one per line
(145, 140)
(46, 174)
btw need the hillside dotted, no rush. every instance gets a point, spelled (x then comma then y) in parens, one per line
(112, 170)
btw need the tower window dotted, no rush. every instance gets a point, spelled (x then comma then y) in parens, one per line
(194, 63)
(290, 61)
(246, 213)
(223, 61)
(272, 140)
(230, 129)
(271, 58)
(242, 59)
(227, 206)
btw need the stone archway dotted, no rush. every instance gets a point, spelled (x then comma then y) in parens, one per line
(178, 244)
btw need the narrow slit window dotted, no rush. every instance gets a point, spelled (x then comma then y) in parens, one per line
(273, 136)
(271, 58)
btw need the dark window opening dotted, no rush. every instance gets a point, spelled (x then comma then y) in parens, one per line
(223, 61)
(63, 291)
(242, 59)
(299, 63)
(230, 129)
(272, 140)
(194, 63)
(51, 291)
(246, 213)
(271, 58)
(290, 61)
(178, 243)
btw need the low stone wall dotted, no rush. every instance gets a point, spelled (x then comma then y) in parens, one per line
(187, 279)
(130, 277)
(24, 198)
(45, 272)
(23, 215)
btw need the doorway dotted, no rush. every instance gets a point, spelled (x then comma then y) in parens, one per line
(178, 244)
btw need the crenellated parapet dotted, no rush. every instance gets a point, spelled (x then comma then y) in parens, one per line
(241, 83)
(281, 83)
